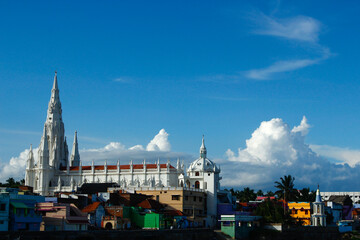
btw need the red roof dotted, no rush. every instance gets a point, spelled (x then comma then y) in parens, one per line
(91, 207)
(114, 167)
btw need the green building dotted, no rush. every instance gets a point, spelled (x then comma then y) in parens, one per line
(239, 226)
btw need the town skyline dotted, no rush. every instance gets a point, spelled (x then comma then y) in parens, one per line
(272, 87)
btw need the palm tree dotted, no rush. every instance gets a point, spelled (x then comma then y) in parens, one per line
(305, 195)
(247, 195)
(286, 186)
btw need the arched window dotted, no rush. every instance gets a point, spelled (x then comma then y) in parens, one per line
(197, 184)
(181, 184)
(197, 174)
(187, 183)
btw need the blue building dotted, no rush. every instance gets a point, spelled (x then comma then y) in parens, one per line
(19, 211)
(4, 212)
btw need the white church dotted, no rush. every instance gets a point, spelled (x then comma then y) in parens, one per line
(53, 172)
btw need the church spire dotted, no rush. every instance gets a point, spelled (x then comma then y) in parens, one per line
(318, 196)
(54, 109)
(55, 85)
(75, 156)
(203, 148)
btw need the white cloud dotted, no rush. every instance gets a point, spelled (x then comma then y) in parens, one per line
(159, 142)
(16, 166)
(274, 150)
(278, 67)
(158, 147)
(343, 155)
(300, 28)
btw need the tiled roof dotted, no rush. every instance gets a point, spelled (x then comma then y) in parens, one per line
(91, 207)
(114, 167)
(151, 204)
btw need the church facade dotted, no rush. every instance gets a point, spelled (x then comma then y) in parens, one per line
(54, 171)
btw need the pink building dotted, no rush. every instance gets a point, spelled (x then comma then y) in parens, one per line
(61, 217)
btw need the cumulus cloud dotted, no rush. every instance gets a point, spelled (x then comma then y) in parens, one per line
(158, 147)
(159, 142)
(342, 155)
(16, 166)
(275, 150)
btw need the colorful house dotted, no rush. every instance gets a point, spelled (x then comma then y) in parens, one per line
(4, 212)
(239, 225)
(95, 213)
(17, 210)
(301, 211)
(61, 217)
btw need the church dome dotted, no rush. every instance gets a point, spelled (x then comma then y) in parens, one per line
(203, 164)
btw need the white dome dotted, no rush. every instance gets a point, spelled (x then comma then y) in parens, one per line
(202, 165)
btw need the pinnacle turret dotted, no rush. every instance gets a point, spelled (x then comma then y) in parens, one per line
(75, 156)
(30, 161)
(44, 150)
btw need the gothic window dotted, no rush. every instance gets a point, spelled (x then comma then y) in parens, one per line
(197, 184)
(318, 209)
(181, 184)
(197, 174)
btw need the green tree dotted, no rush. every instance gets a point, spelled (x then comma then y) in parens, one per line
(260, 193)
(269, 194)
(272, 212)
(286, 186)
(247, 195)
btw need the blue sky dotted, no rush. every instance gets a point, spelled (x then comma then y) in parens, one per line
(128, 69)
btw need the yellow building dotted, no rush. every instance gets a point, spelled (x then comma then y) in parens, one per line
(301, 212)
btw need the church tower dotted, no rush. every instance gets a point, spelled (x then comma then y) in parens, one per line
(318, 218)
(55, 130)
(204, 174)
(53, 149)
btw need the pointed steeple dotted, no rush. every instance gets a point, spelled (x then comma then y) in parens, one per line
(44, 150)
(318, 196)
(55, 85)
(178, 164)
(54, 109)
(203, 149)
(75, 156)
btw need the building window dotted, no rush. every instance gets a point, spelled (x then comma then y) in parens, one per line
(208, 174)
(1, 222)
(197, 174)
(200, 199)
(157, 197)
(175, 197)
(2, 207)
(197, 184)
(194, 198)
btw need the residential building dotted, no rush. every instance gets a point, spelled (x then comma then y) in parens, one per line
(95, 212)
(335, 210)
(239, 225)
(301, 211)
(355, 196)
(61, 217)
(192, 202)
(347, 205)
(4, 212)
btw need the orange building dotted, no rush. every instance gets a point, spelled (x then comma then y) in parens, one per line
(301, 212)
